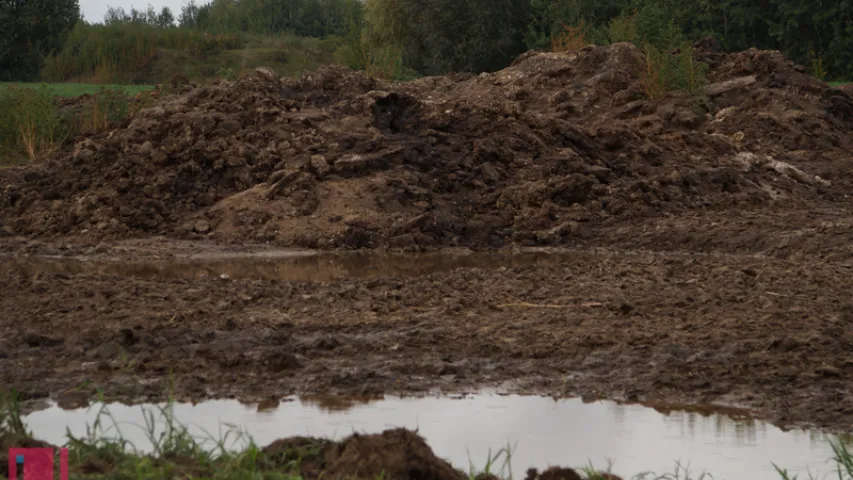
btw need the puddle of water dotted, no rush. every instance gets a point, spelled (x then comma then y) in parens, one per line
(291, 266)
(543, 431)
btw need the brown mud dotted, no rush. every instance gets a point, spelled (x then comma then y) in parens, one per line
(765, 334)
(717, 230)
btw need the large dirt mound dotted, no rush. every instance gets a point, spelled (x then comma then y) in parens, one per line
(535, 154)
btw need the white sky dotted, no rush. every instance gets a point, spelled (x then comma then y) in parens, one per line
(94, 10)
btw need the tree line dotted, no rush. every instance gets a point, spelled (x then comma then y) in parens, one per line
(439, 36)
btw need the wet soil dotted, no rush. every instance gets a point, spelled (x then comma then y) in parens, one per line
(770, 335)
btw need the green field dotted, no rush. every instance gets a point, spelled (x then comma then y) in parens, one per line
(71, 90)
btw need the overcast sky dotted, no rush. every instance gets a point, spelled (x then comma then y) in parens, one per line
(94, 10)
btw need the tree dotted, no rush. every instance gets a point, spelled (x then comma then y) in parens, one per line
(165, 18)
(31, 30)
(194, 16)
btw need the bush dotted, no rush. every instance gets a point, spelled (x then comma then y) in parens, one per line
(31, 125)
(623, 29)
(655, 79)
(666, 72)
(690, 76)
(571, 39)
(115, 53)
(817, 66)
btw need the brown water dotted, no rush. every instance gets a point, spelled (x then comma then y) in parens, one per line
(542, 432)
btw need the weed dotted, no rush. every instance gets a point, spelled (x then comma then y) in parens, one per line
(691, 76)
(818, 69)
(504, 456)
(571, 39)
(592, 473)
(681, 473)
(654, 77)
(175, 452)
(665, 72)
(226, 73)
(31, 125)
(11, 422)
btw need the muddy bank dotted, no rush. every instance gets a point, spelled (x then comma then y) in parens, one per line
(556, 149)
(765, 334)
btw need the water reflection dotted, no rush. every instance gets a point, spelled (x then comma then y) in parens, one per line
(331, 403)
(544, 431)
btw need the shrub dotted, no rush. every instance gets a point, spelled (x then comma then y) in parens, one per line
(623, 29)
(114, 53)
(571, 39)
(226, 73)
(665, 72)
(818, 69)
(690, 76)
(31, 125)
(654, 79)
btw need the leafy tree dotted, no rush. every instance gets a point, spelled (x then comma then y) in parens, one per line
(118, 16)
(194, 16)
(437, 36)
(31, 30)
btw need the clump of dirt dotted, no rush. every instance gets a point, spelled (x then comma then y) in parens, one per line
(397, 453)
(539, 153)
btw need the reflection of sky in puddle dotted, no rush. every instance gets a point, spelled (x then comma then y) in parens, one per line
(543, 431)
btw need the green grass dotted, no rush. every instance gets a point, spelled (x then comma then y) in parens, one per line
(72, 90)
(104, 453)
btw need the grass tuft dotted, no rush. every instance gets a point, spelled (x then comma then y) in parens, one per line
(11, 421)
(501, 458)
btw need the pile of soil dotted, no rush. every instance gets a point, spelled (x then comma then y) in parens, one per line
(539, 153)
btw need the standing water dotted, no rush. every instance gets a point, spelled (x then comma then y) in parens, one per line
(543, 432)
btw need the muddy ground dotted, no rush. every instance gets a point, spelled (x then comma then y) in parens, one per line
(752, 331)
(713, 235)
